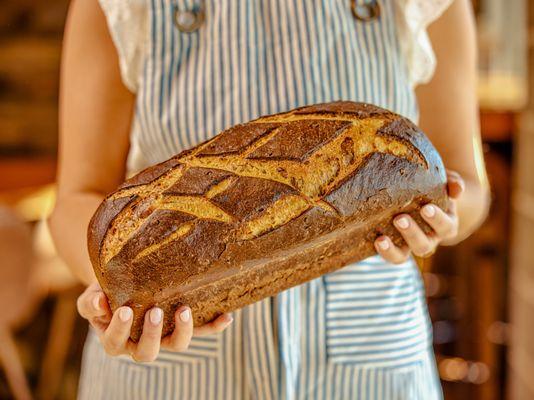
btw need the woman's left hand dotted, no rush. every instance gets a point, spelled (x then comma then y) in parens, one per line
(444, 224)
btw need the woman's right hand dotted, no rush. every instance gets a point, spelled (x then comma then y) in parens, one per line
(114, 328)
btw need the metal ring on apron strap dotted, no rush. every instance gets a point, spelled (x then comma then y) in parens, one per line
(366, 12)
(189, 20)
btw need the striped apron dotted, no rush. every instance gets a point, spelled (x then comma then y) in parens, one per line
(359, 333)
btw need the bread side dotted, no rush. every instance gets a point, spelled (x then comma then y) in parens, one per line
(261, 207)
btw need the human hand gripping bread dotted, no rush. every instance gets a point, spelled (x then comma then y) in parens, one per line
(262, 207)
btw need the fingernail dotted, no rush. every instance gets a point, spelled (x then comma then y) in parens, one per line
(229, 318)
(125, 314)
(96, 302)
(403, 222)
(185, 315)
(383, 244)
(429, 211)
(156, 315)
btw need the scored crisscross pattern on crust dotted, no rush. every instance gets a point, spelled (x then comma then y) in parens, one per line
(341, 143)
(306, 190)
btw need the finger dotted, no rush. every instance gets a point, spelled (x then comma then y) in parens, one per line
(455, 184)
(115, 337)
(92, 303)
(445, 225)
(451, 210)
(452, 173)
(419, 243)
(183, 331)
(148, 347)
(219, 324)
(389, 252)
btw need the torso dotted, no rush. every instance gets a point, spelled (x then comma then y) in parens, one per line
(360, 332)
(255, 57)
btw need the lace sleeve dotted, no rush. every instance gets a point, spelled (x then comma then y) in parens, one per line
(413, 18)
(128, 26)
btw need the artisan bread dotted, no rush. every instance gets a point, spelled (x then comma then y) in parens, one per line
(261, 207)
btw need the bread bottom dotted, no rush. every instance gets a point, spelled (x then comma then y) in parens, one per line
(258, 279)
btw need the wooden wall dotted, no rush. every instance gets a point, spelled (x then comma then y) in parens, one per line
(521, 354)
(30, 46)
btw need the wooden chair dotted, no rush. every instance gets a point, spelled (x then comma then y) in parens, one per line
(17, 295)
(30, 270)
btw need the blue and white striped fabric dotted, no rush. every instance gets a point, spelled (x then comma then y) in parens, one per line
(359, 333)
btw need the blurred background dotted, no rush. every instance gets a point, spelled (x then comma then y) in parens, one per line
(481, 293)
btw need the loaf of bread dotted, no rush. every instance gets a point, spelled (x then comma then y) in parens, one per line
(261, 207)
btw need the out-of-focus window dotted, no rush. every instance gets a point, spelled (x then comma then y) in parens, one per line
(502, 36)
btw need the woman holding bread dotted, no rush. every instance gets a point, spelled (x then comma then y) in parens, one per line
(143, 80)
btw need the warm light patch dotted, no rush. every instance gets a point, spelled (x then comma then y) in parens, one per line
(265, 169)
(278, 214)
(158, 185)
(194, 205)
(220, 187)
(124, 225)
(323, 169)
(326, 206)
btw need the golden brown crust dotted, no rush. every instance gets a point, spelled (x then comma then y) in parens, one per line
(296, 140)
(353, 109)
(236, 139)
(261, 207)
(197, 181)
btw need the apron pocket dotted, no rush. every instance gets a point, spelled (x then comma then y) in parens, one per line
(375, 314)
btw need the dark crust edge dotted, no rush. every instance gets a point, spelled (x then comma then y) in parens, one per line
(149, 174)
(360, 109)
